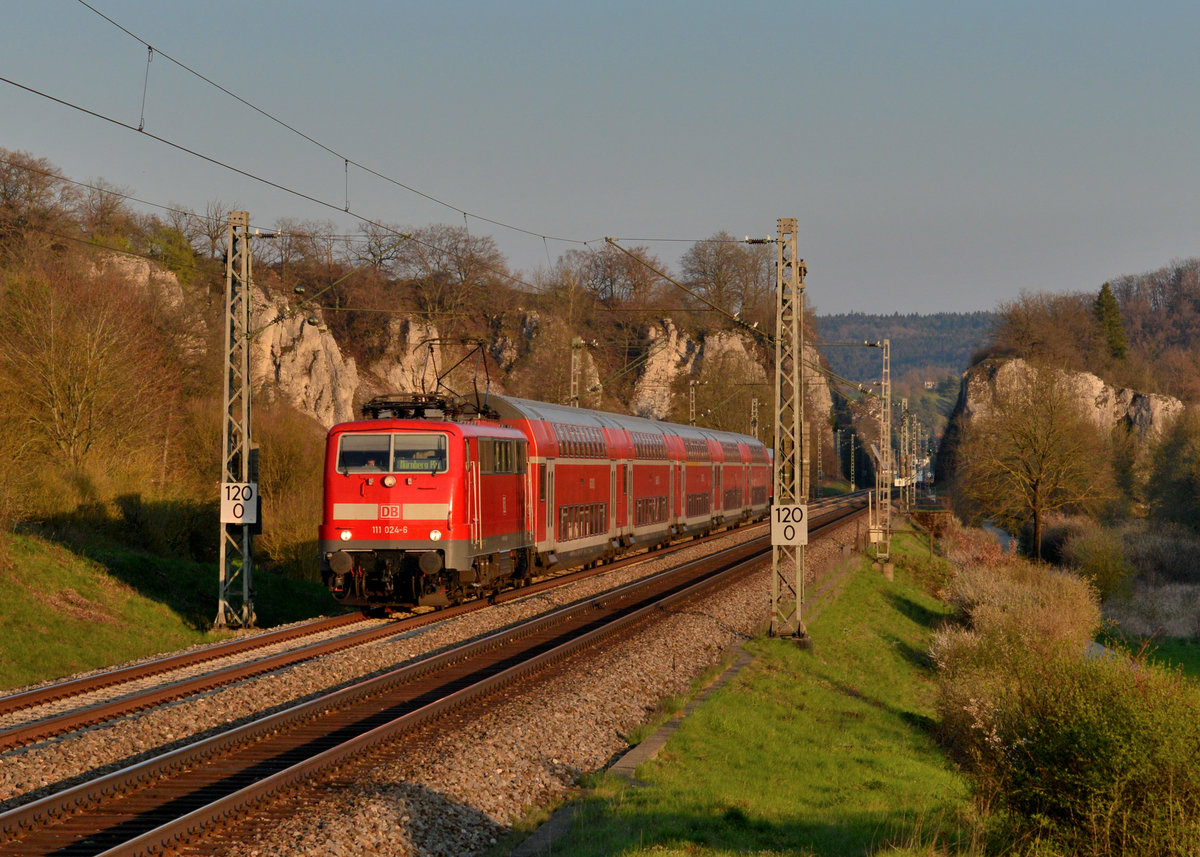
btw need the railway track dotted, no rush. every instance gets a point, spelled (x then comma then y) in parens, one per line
(91, 713)
(146, 806)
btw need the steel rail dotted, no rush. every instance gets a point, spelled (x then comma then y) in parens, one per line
(48, 727)
(72, 800)
(171, 834)
(68, 721)
(30, 816)
(86, 684)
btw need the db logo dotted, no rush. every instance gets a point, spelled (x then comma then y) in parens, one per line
(389, 511)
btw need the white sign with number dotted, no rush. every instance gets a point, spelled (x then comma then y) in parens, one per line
(239, 503)
(789, 525)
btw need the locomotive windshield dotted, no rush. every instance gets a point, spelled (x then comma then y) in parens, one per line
(392, 453)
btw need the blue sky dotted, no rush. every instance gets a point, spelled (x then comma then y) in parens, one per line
(937, 155)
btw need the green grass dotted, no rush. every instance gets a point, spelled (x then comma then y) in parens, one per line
(1174, 652)
(65, 613)
(828, 752)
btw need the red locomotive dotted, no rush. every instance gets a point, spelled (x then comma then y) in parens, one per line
(430, 500)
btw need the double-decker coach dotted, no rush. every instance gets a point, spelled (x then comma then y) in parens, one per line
(429, 500)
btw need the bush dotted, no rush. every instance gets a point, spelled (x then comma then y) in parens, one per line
(1032, 606)
(1097, 554)
(1082, 755)
(290, 473)
(1169, 610)
(1098, 755)
(1168, 553)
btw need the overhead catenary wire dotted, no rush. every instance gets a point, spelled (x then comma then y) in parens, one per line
(346, 159)
(245, 173)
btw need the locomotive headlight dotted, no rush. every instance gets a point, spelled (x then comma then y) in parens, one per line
(435, 535)
(344, 535)
(389, 481)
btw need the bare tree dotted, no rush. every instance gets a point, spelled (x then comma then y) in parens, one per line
(1054, 329)
(381, 249)
(731, 274)
(614, 278)
(186, 222)
(214, 226)
(33, 196)
(79, 361)
(103, 213)
(451, 271)
(1033, 450)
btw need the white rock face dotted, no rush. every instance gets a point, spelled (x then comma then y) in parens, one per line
(163, 289)
(672, 354)
(412, 359)
(146, 276)
(300, 362)
(1147, 414)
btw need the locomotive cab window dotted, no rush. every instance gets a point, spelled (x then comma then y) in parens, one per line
(364, 453)
(392, 453)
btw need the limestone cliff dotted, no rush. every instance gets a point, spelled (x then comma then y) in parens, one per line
(1144, 415)
(299, 362)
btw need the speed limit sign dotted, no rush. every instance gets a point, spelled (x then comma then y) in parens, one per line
(789, 525)
(239, 503)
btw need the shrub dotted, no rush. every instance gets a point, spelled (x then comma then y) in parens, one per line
(969, 547)
(290, 473)
(1098, 755)
(1032, 606)
(1168, 553)
(1097, 554)
(1083, 755)
(1170, 610)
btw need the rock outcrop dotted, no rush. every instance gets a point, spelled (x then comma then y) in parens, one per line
(671, 354)
(299, 362)
(1146, 415)
(412, 359)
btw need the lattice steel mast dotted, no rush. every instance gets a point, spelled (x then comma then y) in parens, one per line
(791, 460)
(236, 605)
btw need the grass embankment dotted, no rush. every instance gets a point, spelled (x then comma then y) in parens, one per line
(65, 613)
(1176, 653)
(828, 752)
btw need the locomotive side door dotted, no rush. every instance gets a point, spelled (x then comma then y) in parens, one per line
(473, 513)
(629, 510)
(612, 498)
(551, 529)
(671, 490)
(524, 491)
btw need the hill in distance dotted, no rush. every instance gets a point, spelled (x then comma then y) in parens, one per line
(932, 346)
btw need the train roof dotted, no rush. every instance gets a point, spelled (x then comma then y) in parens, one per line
(512, 408)
(387, 424)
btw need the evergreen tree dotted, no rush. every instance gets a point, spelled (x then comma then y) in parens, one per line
(1108, 313)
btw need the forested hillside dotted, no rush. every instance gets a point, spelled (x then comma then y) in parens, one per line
(930, 345)
(111, 329)
(1150, 343)
(928, 354)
